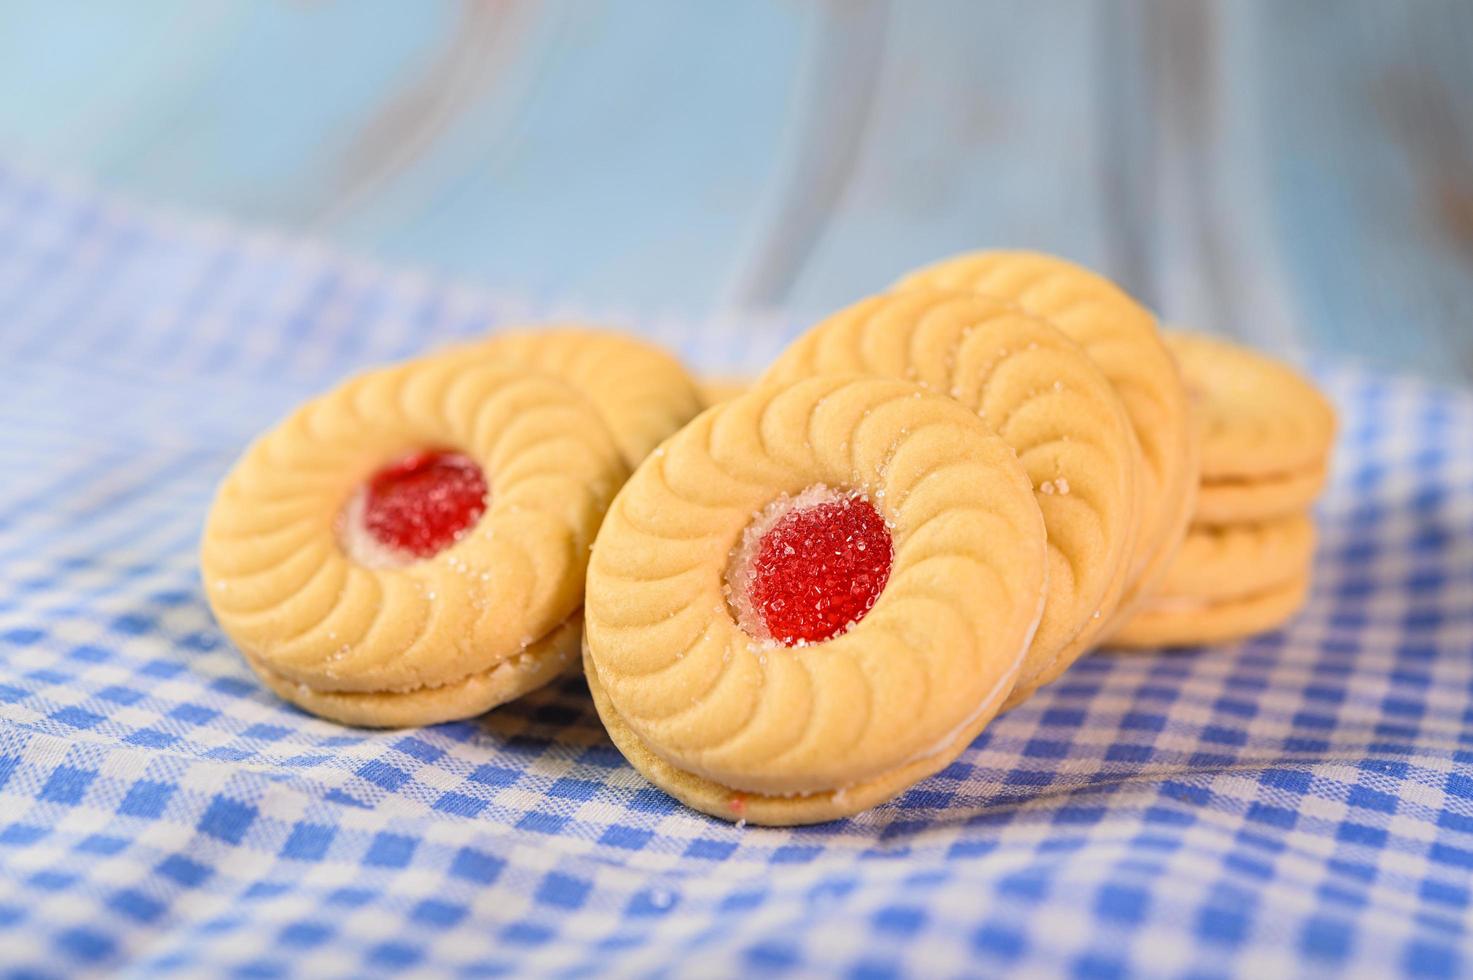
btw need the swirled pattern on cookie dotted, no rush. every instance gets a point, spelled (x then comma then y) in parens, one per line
(641, 390)
(1121, 337)
(762, 493)
(337, 556)
(1038, 391)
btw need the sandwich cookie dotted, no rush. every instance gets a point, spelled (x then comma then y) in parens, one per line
(1267, 431)
(1038, 391)
(410, 548)
(1225, 583)
(812, 597)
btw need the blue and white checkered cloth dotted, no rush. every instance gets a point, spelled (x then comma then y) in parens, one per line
(1298, 804)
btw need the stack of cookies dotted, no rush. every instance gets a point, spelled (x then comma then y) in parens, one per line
(801, 601)
(1265, 433)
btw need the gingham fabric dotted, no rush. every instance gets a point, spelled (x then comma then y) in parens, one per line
(1298, 804)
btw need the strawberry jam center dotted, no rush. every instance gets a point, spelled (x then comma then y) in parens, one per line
(813, 566)
(424, 502)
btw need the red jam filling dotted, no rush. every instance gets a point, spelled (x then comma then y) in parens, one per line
(819, 569)
(423, 503)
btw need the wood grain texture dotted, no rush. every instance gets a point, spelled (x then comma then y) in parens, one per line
(1300, 175)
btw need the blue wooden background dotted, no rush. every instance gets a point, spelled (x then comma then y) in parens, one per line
(1300, 174)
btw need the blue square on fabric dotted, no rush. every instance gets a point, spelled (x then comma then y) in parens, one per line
(67, 785)
(8, 765)
(1250, 866)
(390, 850)
(1445, 893)
(926, 799)
(418, 748)
(652, 801)
(542, 823)
(1291, 780)
(136, 905)
(77, 717)
(459, 804)
(1364, 798)
(1274, 816)
(120, 695)
(796, 854)
(1000, 941)
(132, 624)
(441, 915)
(651, 903)
(229, 753)
(394, 955)
(495, 775)
(527, 934)
(1461, 823)
(476, 866)
(336, 795)
(1141, 721)
(1042, 748)
(228, 819)
(900, 920)
(1122, 903)
(199, 642)
(52, 881)
(1124, 752)
(382, 774)
(772, 955)
(710, 850)
(875, 968)
(626, 838)
(1459, 785)
(1431, 959)
(304, 935)
(161, 668)
(1023, 885)
(266, 733)
(1222, 735)
(1456, 857)
(146, 798)
(1221, 925)
(87, 945)
(563, 891)
(1324, 938)
(101, 844)
(1351, 832)
(262, 890)
(190, 874)
(574, 789)
(971, 848)
(194, 714)
(350, 898)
